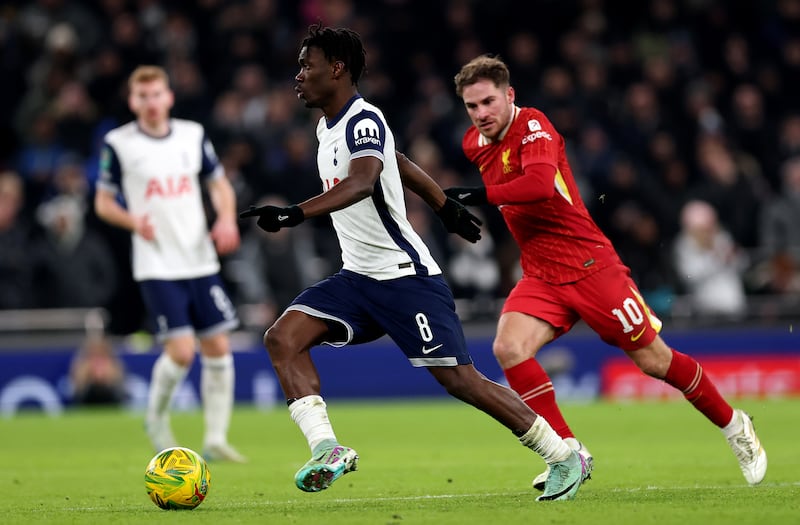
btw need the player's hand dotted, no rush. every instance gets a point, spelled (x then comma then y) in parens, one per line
(144, 228)
(273, 218)
(468, 195)
(225, 235)
(458, 219)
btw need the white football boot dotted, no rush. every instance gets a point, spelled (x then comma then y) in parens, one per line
(752, 457)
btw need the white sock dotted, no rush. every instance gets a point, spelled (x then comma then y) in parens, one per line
(166, 377)
(734, 427)
(217, 381)
(542, 439)
(311, 416)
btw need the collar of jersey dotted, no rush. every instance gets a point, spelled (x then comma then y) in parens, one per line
(484, 140)
(335, 120)
(154, 137)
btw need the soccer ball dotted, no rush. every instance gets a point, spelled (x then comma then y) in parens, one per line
(177, 478)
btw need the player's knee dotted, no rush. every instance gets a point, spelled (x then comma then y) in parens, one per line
(215, 346)
(181, 351)
(508, 353)
(274, 340)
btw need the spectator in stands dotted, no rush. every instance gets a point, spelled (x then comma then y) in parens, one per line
(17, 288)
(75, 265)
(709, 263)
(780, 235)
(669, 70)
(39, 158)
(735, 194)
(96, 374)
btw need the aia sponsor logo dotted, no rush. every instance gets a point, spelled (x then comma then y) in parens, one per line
(168, 188)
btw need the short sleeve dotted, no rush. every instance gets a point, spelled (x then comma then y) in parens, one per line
(366, 135)
(210, 165)
(110, 175)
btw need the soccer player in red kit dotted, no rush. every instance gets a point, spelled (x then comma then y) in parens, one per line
(570, 269)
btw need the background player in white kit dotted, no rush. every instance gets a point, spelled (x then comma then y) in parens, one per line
(158, 163)
(389, 283)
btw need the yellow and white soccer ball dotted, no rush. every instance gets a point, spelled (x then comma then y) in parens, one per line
(177, 479)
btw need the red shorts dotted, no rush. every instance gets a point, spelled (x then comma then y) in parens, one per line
(608, 301)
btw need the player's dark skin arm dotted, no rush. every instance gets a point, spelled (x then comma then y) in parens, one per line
(359, 184)
(415, 179)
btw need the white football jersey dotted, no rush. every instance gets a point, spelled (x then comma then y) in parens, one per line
(375, 236)
(161, 177)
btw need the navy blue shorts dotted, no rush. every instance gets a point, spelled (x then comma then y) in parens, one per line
(188, 306)
(417, 312)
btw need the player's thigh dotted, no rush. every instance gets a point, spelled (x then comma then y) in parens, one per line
(339, 302)
(612, 306)
(419, 314)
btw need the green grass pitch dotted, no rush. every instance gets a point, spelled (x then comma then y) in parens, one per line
(422, 462)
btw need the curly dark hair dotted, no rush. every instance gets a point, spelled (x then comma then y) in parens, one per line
(339, 44)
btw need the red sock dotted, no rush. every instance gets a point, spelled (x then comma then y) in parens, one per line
(533, 384)
(687, 375)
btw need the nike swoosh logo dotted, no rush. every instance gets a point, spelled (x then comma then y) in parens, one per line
(282, 217)
(427, 351)
(464, 195)
(636, 337)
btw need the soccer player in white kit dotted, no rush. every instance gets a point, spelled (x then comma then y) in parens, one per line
(389, 283)
(157, 163)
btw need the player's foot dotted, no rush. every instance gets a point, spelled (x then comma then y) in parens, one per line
(222, 452)
(326, 466)
(574, 444)
(748, 449)
(565, 479)
(160, 433)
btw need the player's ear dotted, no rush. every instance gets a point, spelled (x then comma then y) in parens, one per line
(338, 68)
(511, 95)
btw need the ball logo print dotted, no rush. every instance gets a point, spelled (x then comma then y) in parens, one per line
(177, 479)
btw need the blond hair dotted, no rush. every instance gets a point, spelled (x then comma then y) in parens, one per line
(484, 67)
(148, 74)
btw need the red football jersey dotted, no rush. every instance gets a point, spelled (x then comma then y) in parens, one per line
(558, 240)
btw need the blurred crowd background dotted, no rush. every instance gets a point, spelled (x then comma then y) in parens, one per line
(682, 119)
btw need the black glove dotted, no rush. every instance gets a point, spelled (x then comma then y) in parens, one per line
(458, 219)
(273, 218)
(468, 195)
